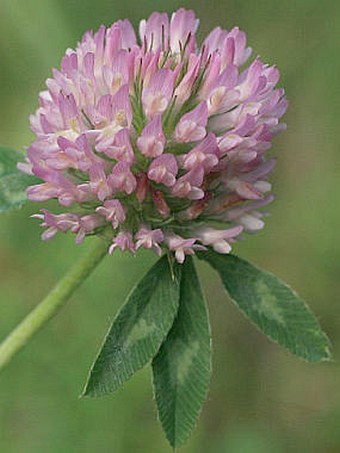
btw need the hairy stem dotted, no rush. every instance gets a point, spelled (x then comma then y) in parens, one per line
(52, 303)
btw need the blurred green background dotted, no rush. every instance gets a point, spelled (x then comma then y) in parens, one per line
(261, 400)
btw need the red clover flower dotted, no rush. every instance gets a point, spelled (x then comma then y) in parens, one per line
(156, 142)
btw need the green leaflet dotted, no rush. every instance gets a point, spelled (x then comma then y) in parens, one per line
(12, 181)
(138, 329)
(182, 366)
(272, 306)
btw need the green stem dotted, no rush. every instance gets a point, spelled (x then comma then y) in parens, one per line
(54, 301)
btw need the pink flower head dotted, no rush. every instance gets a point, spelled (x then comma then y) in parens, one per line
(145, 139)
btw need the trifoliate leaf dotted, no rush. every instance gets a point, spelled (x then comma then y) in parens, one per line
(272, 306)
(12, 181)
(182, 367)
(138, 330)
